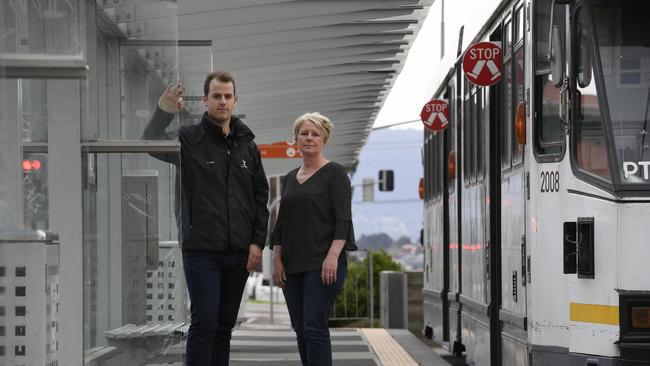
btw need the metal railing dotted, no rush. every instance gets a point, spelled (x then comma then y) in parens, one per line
(360, 307)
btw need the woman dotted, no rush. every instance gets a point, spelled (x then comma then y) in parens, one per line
(313, 229)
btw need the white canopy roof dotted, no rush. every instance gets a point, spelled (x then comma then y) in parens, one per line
(336, 57)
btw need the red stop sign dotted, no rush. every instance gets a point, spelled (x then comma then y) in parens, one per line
(435, 115)
(482, 63)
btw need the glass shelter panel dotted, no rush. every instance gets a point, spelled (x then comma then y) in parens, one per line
(46, 28)
(29, 259)
(133, 272)
(27, 107)
(145, 71)
(123, 216)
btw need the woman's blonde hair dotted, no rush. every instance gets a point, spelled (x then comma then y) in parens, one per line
(322, 123)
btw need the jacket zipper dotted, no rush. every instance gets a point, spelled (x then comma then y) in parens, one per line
(228, 197)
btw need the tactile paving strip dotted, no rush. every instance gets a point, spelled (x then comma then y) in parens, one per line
(390, 353)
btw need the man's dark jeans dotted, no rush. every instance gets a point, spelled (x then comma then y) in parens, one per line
(309, 302)
(215, 283)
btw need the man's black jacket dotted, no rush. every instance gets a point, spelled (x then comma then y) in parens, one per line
(224, 187)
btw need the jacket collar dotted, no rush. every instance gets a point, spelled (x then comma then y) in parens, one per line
(238, 129)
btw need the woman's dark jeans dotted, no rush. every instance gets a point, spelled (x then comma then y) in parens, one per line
(309, 302)
(215, 283)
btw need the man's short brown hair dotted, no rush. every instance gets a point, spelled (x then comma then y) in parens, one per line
(222, 76)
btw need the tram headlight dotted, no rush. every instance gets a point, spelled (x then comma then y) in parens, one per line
(640, 318)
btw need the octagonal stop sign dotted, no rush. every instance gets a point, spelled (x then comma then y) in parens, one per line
(482, 63)
(435, 115)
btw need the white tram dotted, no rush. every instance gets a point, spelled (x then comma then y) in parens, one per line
(537, 195)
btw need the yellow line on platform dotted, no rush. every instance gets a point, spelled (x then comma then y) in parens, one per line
(592, 313)
(390, 353)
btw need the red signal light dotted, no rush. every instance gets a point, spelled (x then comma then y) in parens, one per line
(27, 165)
(36, 164)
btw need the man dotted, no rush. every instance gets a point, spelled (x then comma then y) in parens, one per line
(223, 212)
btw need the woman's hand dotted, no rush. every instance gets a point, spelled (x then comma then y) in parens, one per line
(328, 270)
(279, 275)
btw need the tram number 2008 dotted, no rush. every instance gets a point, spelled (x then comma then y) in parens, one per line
(550, 182)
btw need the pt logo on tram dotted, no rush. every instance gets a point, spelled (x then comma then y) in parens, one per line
(631, 168)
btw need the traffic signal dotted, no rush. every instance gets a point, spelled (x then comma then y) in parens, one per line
(386, 180)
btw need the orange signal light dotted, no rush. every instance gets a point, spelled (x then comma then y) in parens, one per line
(451, 164)
(421, 188)
(520, 123)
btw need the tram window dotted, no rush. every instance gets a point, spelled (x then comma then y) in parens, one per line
(543, 14)
(481, 120)
(519, 25)
(427, 158)
(507, 31)
(624, 53)
(507, 121)
(440, 149)
(436, 166)
(584, 61)
(590, 144)
(427, 166)
(439, 159)
(428, 161)
(474, 148)
(517, 148)
(451, 138)
(432, 165)
(467, 155)
(549, 131)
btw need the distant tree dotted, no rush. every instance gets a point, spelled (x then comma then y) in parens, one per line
(403, 240)
(353, 300)
(375, 241)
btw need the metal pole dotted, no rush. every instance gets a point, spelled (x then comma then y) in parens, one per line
(272, 207)
(356, 293)
(271, 286)
(372, 293)
(345, 303)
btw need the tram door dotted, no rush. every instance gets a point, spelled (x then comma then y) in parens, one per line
(512, 190)
(451, 222)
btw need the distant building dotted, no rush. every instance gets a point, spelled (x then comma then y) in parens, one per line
(29, 299)
(166, 290)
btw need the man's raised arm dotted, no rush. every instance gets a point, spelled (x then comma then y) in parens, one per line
(168, 105)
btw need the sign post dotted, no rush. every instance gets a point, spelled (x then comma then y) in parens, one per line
(482, 63)
(435, 115)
